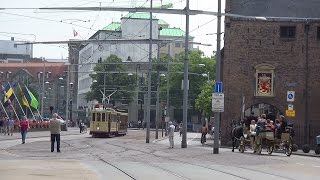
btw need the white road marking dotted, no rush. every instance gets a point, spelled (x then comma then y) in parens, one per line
(300, 164)
(192, 138)
(316, 166)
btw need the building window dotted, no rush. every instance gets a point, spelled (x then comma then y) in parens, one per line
(288, 32)
(318, 33)
(177, 45)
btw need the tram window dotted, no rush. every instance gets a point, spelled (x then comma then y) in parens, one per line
(93, 116)
(103, 117)
(99, 117)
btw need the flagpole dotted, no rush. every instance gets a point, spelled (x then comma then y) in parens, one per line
(23, 94)
(32, 113)
(30, 104)
(17, 99)
(9, 101)
(14, 110)
(4, 109)
(40, 115)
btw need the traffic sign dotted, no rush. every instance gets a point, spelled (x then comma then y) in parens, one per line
(290, 96)
(290, 113)
(218, 88)
(218, 102)
(290, 107)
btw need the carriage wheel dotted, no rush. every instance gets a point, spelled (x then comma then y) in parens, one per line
(242, 145)
(259, 149)
(288, 147)
(270, 149)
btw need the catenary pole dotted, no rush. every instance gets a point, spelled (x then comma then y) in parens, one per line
(149, 79)
(185, 80)
(218, 79)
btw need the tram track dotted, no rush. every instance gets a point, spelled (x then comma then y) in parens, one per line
(172, 159)
(90, 144)
(205, 167)
(123, 171)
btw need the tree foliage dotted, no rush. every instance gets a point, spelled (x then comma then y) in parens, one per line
(204, 99)
(115, 77)
(196, 77)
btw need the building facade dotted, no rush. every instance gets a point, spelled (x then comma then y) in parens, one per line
(263, 60)
(45, 80)
(132, 26)
(10, 51)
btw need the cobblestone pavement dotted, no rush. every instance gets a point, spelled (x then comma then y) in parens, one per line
(129, 157)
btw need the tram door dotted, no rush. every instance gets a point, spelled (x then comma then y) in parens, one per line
(93, 122)
(113, 122)
(104, 122)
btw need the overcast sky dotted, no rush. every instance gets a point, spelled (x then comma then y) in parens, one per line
(36, 25)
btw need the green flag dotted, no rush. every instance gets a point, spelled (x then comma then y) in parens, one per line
(33, 100)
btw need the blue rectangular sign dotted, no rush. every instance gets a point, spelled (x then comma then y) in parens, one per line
(218, 88)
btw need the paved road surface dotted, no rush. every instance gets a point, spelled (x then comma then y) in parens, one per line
(129, 157)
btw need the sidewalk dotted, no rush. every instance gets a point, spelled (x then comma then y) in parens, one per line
(45, 169)
(36, 134)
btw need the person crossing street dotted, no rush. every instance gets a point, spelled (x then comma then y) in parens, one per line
(171, 134)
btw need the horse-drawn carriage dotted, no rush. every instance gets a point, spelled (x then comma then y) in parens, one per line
(266, 140)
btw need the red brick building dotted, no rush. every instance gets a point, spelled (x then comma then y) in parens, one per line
(39, 75)
(265, 59)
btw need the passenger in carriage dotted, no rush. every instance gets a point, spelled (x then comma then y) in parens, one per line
(253, 133)
(282, 127)
(262, 122)
(269, 125)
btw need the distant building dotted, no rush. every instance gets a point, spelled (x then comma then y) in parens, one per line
(47, 76)
(132, 26)
(10, 51)
(263, 60)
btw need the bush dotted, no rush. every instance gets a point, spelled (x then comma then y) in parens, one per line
(306, 148)
(295, 148)
(317, 150)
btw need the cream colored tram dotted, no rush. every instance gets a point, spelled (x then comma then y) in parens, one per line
(108, 122)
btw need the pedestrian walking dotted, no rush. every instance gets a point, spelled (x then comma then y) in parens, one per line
(180, 129)
(5, 126)
(1, 125)
(24, 127)
(171, 134)
(55, 129)
(10, 127)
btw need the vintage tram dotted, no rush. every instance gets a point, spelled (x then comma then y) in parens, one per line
(108, 122)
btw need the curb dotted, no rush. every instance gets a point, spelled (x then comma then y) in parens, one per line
(294, 153)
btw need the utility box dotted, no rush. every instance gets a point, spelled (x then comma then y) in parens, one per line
(318, 140)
